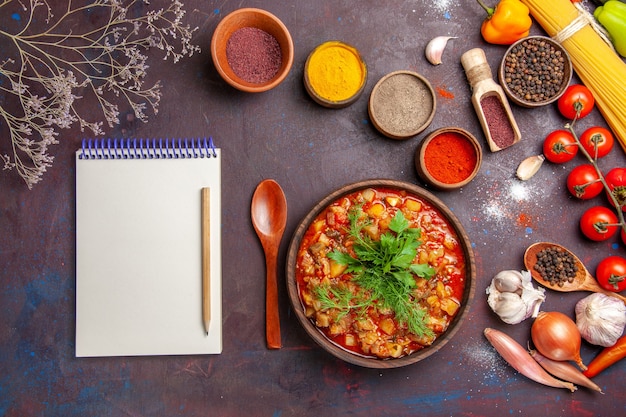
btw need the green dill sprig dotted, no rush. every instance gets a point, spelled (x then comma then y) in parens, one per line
(386, 268)
(341, 299)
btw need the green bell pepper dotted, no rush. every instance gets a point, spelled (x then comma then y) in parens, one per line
(601, 2)
(612, 15)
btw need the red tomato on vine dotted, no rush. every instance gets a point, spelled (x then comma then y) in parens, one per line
(560, 146)
(616, 180)
(599, 223)
(611, 273)
(583, 182)
(577, 102)
(597, 141)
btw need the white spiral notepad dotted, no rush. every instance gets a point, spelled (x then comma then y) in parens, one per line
(138, 247)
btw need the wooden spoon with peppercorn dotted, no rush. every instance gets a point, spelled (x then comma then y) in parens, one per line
(540, 260)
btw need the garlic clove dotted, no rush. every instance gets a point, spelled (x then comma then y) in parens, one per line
(434, 48)
(510, 308)
(508, 281)
(529, 167)
(533, 298)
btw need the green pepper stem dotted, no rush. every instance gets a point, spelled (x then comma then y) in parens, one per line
(490, 10)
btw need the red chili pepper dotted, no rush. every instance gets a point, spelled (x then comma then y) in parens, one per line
(607, 357)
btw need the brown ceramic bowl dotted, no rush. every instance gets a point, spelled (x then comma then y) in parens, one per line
(402, 104)
(370, 361)
(518, 60)
(437, 138)
(256, 18)
(318, 53)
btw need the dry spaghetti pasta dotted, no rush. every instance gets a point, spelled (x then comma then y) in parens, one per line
(595, 62)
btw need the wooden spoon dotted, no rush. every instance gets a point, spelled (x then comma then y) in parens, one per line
(269, 216)
(583, 281)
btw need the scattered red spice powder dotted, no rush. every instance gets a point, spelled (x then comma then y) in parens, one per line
(450, 157)
(253, 54)
(444, 92)
(524, 220)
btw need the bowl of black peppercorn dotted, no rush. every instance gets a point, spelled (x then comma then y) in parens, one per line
(535, 71)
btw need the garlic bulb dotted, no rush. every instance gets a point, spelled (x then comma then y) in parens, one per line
(512, 296)
(600, 319)
(434, 49)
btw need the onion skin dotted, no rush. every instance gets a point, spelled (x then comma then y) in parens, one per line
(564, 371)
(519, 358)
(557, 337)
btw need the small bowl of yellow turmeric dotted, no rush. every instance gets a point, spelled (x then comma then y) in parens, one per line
(335, 74)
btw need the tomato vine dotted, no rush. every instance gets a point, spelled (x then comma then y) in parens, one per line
(593, 160)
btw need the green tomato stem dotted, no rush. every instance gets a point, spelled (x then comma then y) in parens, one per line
(618, 207)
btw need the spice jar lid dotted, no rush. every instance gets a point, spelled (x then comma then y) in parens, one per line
(402, 104)
(448, 158)
(335, 74)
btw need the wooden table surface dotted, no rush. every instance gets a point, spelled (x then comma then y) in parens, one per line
(311, 151)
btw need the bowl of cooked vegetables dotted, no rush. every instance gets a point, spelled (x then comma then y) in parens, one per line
(380, 273)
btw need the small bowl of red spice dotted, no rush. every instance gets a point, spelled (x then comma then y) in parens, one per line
(252, 50)
(448, 158)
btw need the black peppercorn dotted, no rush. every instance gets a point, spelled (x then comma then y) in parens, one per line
(556, 266)
(534, 70)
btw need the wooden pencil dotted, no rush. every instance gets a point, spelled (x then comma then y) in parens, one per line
(206, 259)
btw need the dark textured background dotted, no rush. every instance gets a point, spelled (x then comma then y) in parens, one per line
(310, 151)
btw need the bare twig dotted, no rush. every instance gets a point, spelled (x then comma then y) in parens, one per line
(54, 62)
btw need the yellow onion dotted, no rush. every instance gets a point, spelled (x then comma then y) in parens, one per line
(556, 337)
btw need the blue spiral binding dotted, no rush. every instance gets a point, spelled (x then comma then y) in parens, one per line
(147, 148)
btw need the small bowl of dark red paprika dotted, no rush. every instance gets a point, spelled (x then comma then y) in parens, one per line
(252, 50)
(535, 71)
(448, 158)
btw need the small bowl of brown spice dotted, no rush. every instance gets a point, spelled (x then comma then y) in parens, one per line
(402, 104)
(535, 71)
(252, 50)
